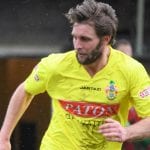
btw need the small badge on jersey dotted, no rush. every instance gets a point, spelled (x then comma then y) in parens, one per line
(36, 77)
(111, 90)
(144, 93)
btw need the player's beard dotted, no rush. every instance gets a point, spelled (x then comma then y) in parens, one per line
(90, 57)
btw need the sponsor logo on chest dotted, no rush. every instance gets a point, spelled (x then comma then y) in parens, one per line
(89, 110)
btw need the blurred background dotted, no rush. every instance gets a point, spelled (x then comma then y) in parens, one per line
(32, 29)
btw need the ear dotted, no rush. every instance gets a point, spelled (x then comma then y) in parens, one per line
(106, 39)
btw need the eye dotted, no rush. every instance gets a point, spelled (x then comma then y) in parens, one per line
(85, 39)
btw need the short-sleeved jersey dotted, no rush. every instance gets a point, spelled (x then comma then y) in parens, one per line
(81, 102)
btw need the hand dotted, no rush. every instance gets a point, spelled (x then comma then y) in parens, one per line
(5, 144)
(113, 131)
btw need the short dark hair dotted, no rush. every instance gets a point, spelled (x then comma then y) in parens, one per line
(99, 14)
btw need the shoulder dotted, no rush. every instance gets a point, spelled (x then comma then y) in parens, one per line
(57, 58)
(129, 68)
(57, 61)
(125, 62)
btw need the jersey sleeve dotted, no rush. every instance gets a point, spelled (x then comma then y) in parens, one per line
(36, 82)
(140, 91)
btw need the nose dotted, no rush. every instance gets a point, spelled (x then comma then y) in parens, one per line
(77, 44)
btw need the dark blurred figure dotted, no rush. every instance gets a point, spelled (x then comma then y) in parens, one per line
(124, 46)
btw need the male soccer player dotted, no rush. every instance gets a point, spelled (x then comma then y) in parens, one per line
(89, 86)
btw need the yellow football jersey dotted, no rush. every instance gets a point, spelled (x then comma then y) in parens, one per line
(81, 102)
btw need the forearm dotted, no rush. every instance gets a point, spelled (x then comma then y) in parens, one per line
(139, 130)
(18, 104)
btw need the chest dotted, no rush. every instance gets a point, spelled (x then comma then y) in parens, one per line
(102, 89)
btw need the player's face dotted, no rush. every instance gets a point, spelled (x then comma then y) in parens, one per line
(86, 43)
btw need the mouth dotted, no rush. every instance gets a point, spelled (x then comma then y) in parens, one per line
(81, 54)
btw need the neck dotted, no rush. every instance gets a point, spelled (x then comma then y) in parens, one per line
(99, 64)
